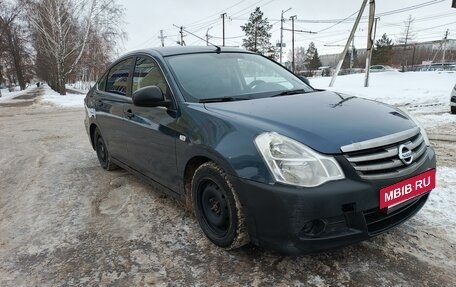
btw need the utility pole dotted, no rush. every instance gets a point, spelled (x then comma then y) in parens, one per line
(162, 38)
(208, 36)
(281, 32)
(407, 32)
(347, 45)
(292, 18)
(223, 19)
(352, 55)
(413, 57)
(444, 47)
(370, 40)
(435, 55)
(181, 32)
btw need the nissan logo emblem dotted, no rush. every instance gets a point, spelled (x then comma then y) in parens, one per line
(405, 155)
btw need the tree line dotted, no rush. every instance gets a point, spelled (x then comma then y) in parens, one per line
(258, 39)
(404, 51)
(57, 40)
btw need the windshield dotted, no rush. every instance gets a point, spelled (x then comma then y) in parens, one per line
(231, 75)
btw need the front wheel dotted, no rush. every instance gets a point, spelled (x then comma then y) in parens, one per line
(217, 207)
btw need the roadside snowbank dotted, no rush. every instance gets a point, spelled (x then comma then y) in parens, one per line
(67, 101)
(440, 206)
(7, 95)
(410, 88)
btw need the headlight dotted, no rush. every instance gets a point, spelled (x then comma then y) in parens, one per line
(293, 163)
(422, 130)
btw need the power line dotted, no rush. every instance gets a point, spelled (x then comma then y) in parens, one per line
(382, 14)
(218, 13)
(410, 8)
(148, 40)
(337, 23)
(235, 37)
(242, 12)
(435, 27)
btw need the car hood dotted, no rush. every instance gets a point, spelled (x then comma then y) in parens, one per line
(322, 120)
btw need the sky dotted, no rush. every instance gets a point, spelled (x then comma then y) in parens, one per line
(144, 19)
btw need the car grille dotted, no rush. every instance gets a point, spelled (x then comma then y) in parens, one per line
(379, 158)
(378, 221)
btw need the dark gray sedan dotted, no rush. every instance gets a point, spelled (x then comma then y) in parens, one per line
(258, 154)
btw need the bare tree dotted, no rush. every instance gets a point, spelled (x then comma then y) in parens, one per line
(63, 30)
(12, 41)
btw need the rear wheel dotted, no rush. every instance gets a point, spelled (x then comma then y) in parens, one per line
(102, 151)
(217, 207)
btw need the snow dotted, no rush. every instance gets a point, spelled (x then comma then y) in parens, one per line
(441, 203)
(395, 88)
(82, 87)
(7, 95)
(49, 97)
(434, 120)
(67, 101)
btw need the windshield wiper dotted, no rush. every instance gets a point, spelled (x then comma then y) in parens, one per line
(223, 99)
(290, 92)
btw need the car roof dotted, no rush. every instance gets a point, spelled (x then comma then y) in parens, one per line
(179, 50)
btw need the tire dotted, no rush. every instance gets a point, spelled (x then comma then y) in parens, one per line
(453, 109)
(217, 207)
(102, 151)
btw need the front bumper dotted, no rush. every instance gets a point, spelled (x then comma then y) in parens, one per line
(295, 220)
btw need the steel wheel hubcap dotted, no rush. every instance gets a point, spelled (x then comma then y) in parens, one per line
(214, 208)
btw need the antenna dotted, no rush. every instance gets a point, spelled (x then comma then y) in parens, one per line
(218, 50)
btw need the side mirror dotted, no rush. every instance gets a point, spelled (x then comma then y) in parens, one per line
(150, 96)
(305, 80)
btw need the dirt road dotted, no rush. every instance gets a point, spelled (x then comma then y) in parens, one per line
(64, 221)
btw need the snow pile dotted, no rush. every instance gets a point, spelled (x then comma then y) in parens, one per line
(67, 101)
(435, 120)
(440, 207)
(395, 88)
(82, 87)
(7, 95)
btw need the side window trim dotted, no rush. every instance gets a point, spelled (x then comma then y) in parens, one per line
(129, 79)
(101, 80)
(139, 56)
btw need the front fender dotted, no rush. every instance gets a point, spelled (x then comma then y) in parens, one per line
(223, 140)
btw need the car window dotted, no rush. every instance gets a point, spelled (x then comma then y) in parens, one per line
(213, 75)
(102, 83)
(257, 71)
(118, 78)
(148, 73)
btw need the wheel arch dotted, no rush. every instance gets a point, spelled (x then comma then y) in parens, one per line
(192, 165)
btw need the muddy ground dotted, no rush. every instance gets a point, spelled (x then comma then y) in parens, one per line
(64, 221)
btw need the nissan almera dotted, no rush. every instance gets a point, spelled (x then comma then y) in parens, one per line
(255, 152)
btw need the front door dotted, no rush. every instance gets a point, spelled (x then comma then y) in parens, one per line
(152, 140)
(111, 95)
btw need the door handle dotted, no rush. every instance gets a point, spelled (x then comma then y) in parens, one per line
(129, 114)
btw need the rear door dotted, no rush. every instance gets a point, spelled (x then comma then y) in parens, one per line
(112, 94)
(151, 133)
